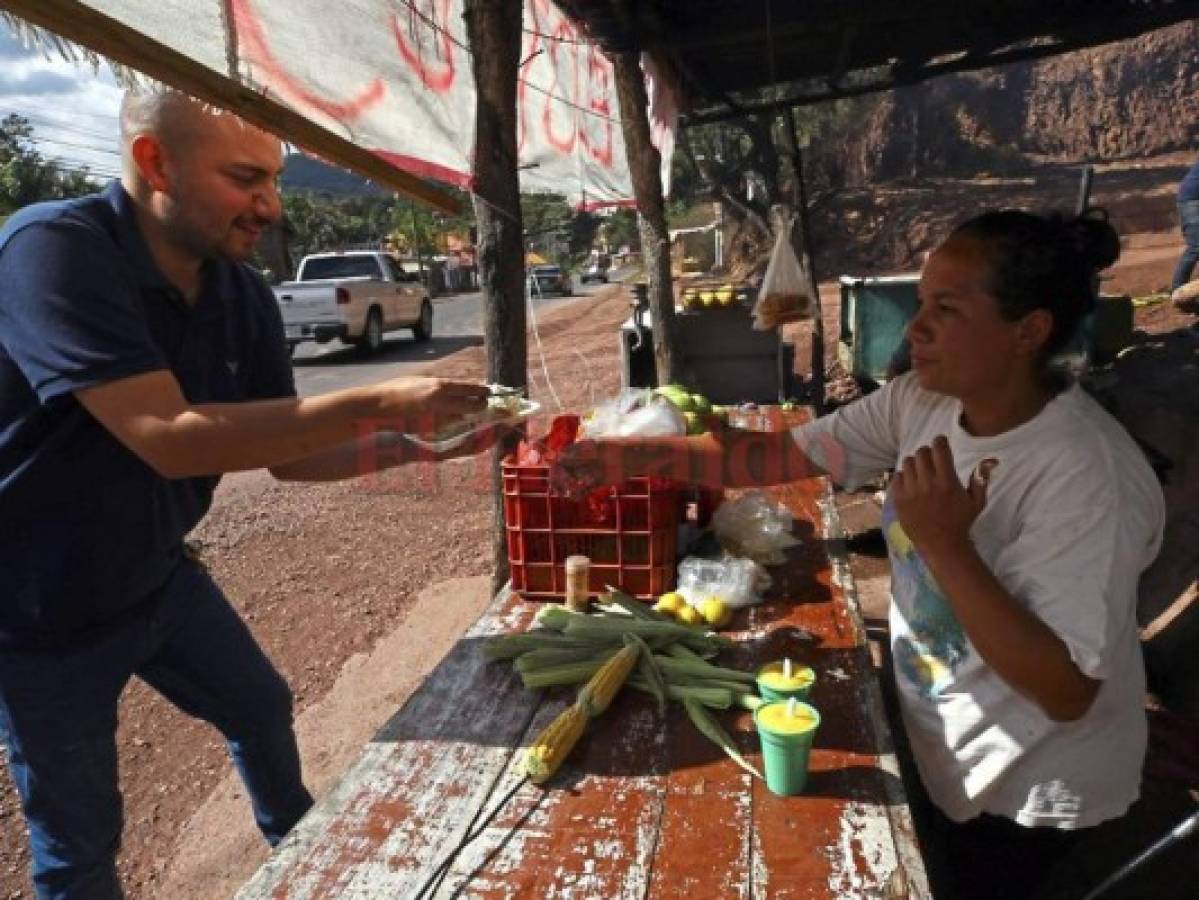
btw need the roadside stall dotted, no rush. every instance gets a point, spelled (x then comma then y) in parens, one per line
(648, 803)
(638, 787)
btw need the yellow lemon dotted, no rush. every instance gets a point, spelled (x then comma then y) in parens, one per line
(670, 603)
(716, 612)
(689, 615)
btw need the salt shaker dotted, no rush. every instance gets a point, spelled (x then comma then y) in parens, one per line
(578, 571)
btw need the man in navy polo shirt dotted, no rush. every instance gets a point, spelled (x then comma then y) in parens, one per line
(139, 359)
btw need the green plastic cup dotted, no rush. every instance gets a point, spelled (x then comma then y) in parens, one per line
(773, 683)
(786, 743)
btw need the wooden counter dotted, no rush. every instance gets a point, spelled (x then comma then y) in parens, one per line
(644, 807)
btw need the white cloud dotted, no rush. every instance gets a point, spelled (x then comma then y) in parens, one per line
(73, 109)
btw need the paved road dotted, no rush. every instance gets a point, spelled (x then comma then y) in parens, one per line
(457, 323)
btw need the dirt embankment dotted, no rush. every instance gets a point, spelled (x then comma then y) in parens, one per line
(1130, 100)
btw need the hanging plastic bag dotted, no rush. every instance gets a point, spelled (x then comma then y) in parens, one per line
(756, 527)
(785, 294)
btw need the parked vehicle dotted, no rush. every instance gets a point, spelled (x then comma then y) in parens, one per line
(548, 280)
(355, 296)
(597, 270)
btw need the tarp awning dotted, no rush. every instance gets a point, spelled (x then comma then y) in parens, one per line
(391, 77)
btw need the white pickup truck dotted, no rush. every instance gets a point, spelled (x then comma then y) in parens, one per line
(355, 296)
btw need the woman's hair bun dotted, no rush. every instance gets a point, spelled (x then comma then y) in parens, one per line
(1093, 237)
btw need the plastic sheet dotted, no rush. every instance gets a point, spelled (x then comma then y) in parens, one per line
(756, 527)
(735, 580)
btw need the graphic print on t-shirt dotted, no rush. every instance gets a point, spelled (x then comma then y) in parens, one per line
(936, 646)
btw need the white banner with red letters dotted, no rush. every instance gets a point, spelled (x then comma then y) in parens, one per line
(394, 76)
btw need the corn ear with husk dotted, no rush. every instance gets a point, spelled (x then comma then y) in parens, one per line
(707, 725)
(562, 675)
(713, 697)
(598, 693)
(649, 670)
(700, 669)
(559, 656)
(553, 745)
(510, 646)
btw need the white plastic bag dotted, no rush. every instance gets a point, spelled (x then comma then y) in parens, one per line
(756, 527)
(635, 412)
(738, 582)
(785, 294)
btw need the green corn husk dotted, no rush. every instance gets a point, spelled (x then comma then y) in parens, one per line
(701, 669)
(510, 646)
(716, 698)
(649, 670)
(749, 701)
(554, 617)
(595, 627)
(557, 676)
(707, 725)
(550, 657)
(684, 651)
(736, 687)
(582, 626)
(635, 607)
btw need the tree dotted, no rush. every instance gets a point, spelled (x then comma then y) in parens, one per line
(738, 163)
(28, 177)
(619, 229)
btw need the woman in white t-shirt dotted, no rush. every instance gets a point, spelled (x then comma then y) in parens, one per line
(1018, 519)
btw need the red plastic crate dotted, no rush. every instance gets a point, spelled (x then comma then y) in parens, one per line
(630, 534)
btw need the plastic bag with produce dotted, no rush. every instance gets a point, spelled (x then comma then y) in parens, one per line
(635, 412)
(736, 581)
(755, 526)
(786, 294)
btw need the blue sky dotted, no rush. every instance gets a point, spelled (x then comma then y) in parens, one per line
(72, 109)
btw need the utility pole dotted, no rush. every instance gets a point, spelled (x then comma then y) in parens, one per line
(420, 259)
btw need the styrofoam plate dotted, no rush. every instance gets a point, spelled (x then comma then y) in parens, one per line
(458, 436)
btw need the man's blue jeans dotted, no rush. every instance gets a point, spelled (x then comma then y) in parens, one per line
(1188, 219)
(58, 718)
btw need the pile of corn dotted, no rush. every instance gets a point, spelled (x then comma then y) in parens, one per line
(627, 641)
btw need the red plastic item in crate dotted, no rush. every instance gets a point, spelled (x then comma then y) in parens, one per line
(629, 533)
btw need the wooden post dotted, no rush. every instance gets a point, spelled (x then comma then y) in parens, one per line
(493, 28)
(801, 239)
(644, 166)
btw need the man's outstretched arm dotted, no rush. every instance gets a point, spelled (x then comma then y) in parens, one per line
(149, 414)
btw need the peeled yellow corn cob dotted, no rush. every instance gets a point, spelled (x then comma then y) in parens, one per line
(599, 691)
(554, 743)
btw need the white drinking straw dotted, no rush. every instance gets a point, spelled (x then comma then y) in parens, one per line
(790, 707)
(787, 667)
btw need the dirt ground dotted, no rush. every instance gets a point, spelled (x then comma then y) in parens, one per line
(355, 590)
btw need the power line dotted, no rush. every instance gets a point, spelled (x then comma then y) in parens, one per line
(70, 129)
(66, 166)
(90, 147)
(41, 109)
